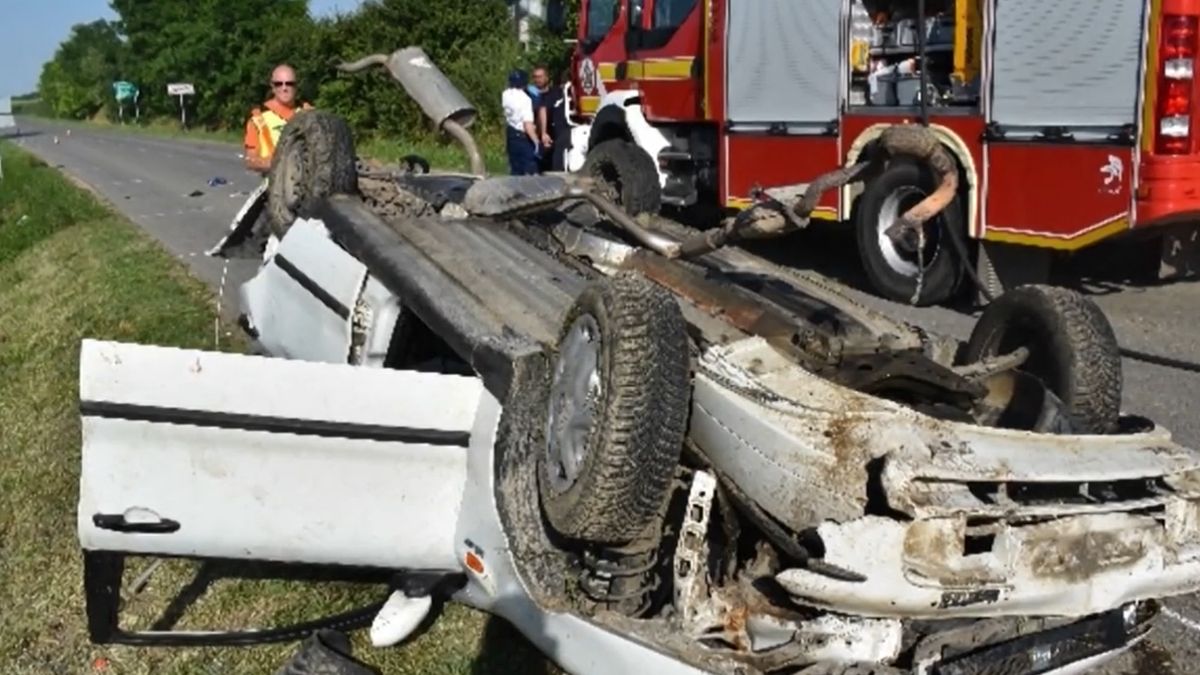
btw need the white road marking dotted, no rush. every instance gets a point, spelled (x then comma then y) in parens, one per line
(1194, 625)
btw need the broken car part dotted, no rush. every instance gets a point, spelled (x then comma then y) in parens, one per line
(437, 96)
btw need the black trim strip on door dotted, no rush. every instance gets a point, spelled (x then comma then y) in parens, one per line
(301, 427)
(312, 287)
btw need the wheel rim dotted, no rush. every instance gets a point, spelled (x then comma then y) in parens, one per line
(574, 401)
(905, 263)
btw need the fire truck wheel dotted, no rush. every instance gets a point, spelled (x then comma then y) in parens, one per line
(314, 159)
(895, 272)
(618, 412)
(626, 175)
(1072, 349)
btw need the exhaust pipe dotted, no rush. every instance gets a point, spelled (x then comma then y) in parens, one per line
(440, 100)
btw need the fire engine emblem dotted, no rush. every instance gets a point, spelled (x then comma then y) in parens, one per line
(587, 76)
(1113, 173)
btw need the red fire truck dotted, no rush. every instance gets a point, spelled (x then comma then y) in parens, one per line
(1072, 122)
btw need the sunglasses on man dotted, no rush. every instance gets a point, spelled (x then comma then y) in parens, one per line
(283, 83)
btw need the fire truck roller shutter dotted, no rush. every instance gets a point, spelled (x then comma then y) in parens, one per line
(783, 61)
(1066, 64)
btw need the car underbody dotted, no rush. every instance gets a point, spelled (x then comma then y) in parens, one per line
(847, 494)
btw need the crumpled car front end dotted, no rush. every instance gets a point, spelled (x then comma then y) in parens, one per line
(902, 515)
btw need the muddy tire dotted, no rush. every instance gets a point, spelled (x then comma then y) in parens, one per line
(618, 412)
(314, 159)
(1073, 350)
(892, 271)
(626, 174)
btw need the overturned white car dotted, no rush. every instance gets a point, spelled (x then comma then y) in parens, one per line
(646, 464)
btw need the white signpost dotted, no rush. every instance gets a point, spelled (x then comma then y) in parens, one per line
(6, 114)
(181, 89)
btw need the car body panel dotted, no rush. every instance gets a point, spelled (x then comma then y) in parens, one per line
(271, 459)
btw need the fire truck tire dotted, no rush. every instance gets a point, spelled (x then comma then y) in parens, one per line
(626, 174)
(314, 159)
(893, 272)
(617, 414)
(1072, 349)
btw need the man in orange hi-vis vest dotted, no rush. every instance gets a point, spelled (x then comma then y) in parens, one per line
(266, 123)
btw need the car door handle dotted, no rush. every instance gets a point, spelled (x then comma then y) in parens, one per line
(118, 523)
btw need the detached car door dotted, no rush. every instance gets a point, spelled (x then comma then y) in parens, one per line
(208, 455)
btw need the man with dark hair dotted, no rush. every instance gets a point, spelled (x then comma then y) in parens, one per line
(521, 137)
(538, 88)
(554, 129)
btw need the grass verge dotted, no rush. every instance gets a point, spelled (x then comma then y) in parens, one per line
(69, 269)
(441, 153)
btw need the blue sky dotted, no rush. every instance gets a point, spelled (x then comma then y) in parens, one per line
(30, 31)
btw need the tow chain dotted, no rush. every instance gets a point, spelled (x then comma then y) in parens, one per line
(916, 298)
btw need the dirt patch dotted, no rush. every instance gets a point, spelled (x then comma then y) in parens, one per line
(1079, 558)
(1151, 659)
(847, 435)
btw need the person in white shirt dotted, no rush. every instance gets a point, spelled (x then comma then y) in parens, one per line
(522, 135)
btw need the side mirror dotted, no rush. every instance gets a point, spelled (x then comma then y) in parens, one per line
(635, 14)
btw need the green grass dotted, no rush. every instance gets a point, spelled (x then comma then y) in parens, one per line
(70, 269)
(30, 106)
(160, 128)
(441, 153)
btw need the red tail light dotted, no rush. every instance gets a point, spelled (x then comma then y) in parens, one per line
(1176, 85)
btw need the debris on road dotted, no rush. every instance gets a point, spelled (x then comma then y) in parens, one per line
(195, 193)
(217, 181)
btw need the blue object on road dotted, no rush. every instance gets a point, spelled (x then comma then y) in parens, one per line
(217, 181)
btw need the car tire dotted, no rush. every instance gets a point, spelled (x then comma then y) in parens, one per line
(893, 272)
(618, 412)
(626, 175)
(1072, 350)
(314, 159)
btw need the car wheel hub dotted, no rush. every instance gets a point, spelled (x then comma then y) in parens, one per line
(574, 401)
(903, 262)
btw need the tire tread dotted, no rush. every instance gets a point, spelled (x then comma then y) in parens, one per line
(635, 445)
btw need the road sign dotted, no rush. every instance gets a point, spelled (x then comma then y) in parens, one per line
(181, 89)
(125, 91)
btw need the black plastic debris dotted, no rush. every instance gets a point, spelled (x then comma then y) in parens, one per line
(195, 193)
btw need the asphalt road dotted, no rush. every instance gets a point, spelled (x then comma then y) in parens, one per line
(153, 181)
(160, 184)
